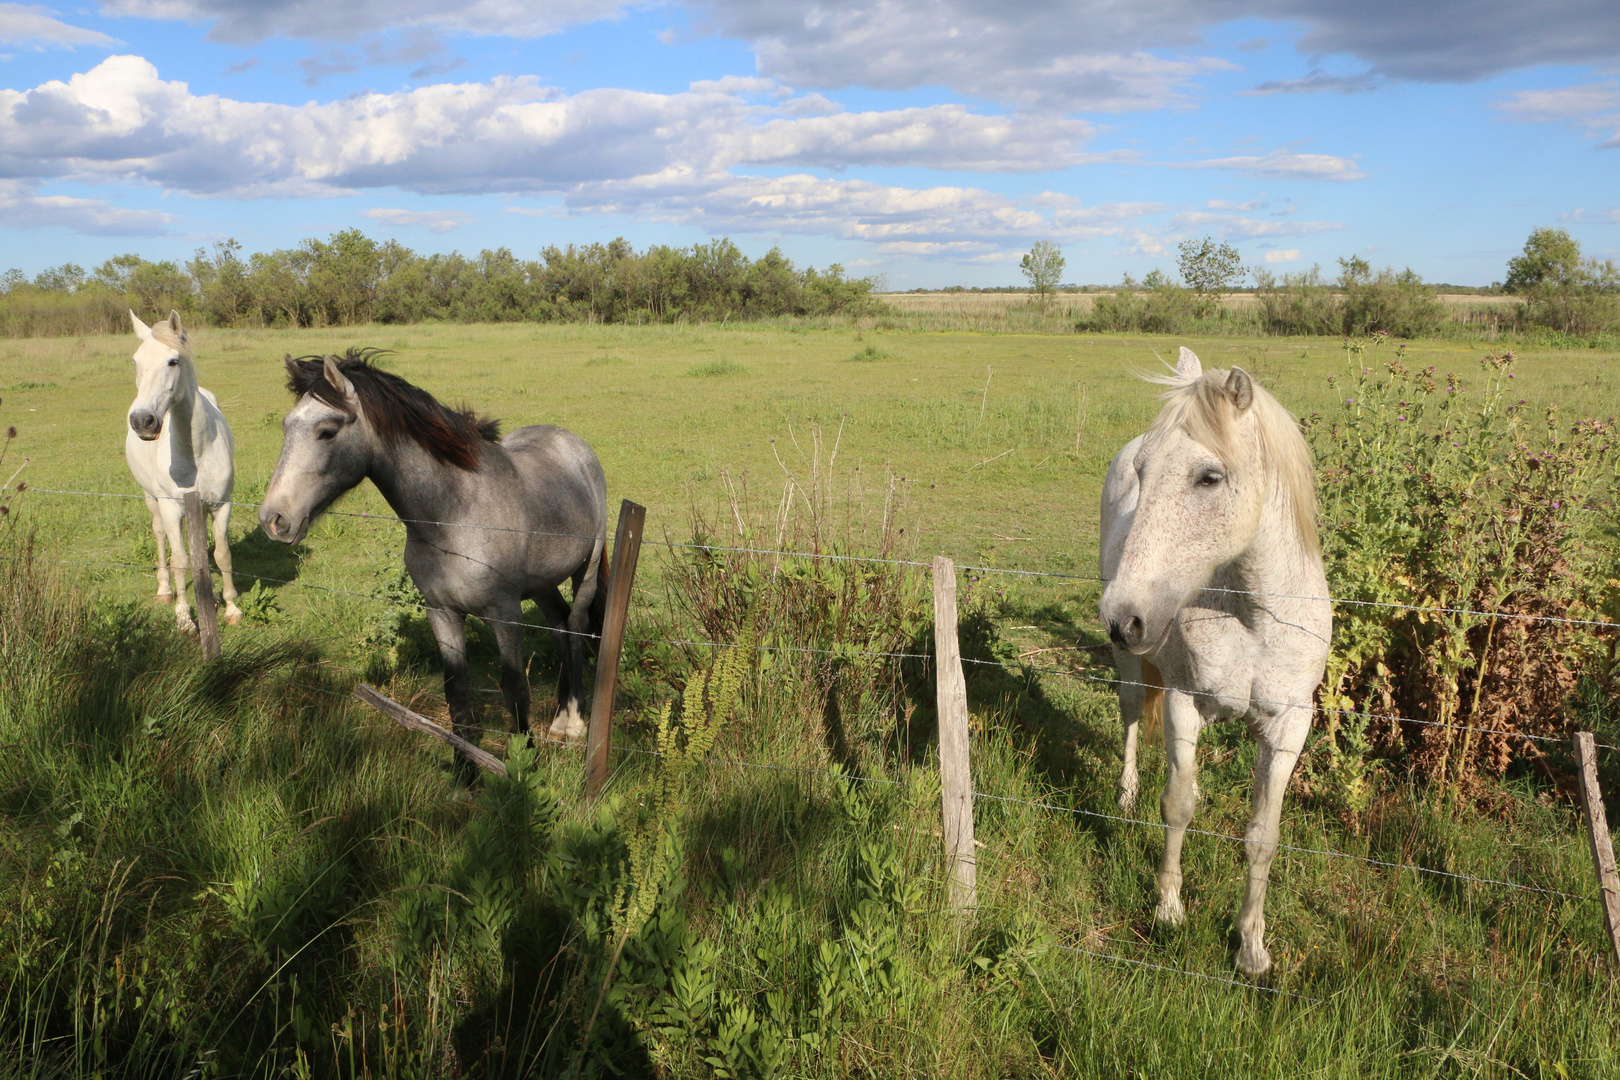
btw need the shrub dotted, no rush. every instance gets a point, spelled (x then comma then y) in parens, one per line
(1161, 307)
(1454, 499)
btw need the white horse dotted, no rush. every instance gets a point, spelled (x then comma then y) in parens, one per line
(1217, 594)
(178, 440)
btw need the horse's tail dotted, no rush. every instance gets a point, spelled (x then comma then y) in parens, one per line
(599, 598)
(1152, 703)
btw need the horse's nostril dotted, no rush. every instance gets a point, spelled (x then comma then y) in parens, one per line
(1114, 634)
(1133, 630)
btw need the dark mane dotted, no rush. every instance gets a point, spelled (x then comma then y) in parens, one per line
(395, 408)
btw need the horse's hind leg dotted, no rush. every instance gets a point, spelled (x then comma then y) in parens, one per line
(222, 556)
(450, 631)
(569, 724)
(165, 595)
(1181, 727)
(507, 624)
(1273, 767)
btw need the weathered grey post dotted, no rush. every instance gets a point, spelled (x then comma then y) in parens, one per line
(197, 544)
(956, 778)
(621, 576)
(413, 721)
(1597, 831)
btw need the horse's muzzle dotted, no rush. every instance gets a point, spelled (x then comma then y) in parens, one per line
(1127, 635)
(145, 424)
(279, 528)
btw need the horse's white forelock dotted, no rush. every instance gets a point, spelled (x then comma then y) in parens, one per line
(1201, 407)
(165, 333)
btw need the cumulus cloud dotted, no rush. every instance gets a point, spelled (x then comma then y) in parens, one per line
(507, 135)
(1283, 255)
(39, 28)
(436, 221)
(23, 208)
(672, 157)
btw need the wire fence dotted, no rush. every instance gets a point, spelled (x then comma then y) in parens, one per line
(1600, 624)
(1379, 864)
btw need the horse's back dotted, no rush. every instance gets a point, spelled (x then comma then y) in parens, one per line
(561, 469)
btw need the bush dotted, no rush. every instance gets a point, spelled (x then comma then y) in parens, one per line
(1447, 496)
(1161, 307)
(1363, 302)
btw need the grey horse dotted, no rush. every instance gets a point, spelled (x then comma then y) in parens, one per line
(489, 522)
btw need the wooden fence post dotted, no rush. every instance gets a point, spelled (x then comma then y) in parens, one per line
(621, 576)
(1597, 831)
(202, 582)
(956, 778)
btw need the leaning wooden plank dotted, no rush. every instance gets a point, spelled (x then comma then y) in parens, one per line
(417, 722)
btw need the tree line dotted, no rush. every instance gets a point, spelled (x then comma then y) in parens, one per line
(349, 278)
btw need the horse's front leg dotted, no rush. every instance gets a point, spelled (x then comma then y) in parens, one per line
(1131, 697)
(1181, 727)
(449, 629)
(179, 561)
(165, 595)
(506, 621)
(222, 556)
(1272, 768)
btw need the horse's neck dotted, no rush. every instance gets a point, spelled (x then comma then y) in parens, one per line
(187, 423)
(1278, 562)
(416, 485)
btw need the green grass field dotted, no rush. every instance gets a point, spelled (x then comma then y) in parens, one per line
(213, 868)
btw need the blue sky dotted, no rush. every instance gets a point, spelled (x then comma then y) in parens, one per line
(930, 141)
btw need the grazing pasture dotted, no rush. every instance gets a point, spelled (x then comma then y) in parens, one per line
(235, 869)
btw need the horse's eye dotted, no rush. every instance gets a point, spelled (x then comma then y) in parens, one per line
(1210, 478)
(327, 433)
(174, 362)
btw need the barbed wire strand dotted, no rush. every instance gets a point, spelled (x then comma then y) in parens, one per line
(965, 567)
(847, 652)
(1184, 971)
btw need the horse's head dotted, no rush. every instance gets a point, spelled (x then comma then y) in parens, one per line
(162, 365)
(1219, 449)
(325, 450)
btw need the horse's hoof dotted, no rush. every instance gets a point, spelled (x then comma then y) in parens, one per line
(1253, 961)
(186, 625)
(1170, 911)
(1127, 799)
(165, 598)
(233, 615)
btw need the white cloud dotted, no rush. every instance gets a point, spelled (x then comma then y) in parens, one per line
(1593, 108)
(1235, 227)
(24, 209)
(437, 221)
(1285, 165)
(669, 157)
(1283, 255)
(38, 27)
(1591, 217)
(507, 135)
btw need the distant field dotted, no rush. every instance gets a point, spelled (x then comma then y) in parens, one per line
(1079, 303)
(910, 402)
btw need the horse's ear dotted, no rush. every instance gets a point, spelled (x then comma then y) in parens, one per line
(291, 365)
(174, 323)
(1188, 366)
(1240, 388)
(142, 331)
(340, 382)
